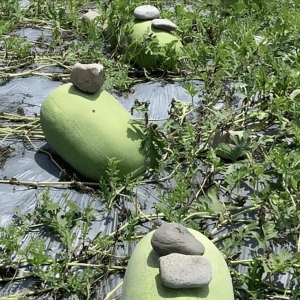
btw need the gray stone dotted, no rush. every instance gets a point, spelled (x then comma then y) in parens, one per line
(164, 24)
(146, 12)
(90, 15)
(175, 238)
(218, 106)
(88, 77)
(178, 271)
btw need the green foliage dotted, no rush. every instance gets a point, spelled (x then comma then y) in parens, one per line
(210, 203)
(190, 88)
(66, 273)
(246, 186)
(152, 140)
(20, 47)
(174, 205)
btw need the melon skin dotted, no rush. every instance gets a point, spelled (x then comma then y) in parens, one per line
(142, 280)
(87, 129)
(148, 60)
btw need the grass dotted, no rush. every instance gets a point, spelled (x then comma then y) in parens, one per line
(251, 47)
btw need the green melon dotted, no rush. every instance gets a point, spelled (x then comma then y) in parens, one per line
(149, 60)
(87, 129)
(142, 279)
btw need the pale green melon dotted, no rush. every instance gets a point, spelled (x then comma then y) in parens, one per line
(142, 279)
(148, 60)
(87, 129)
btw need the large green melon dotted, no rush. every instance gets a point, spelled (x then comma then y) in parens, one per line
(142, 279)
(149, 60)
(87, 129)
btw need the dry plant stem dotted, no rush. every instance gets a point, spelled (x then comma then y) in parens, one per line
(203, 183)
(123, 227)
(214, 231)
(171, 174)
(113, 268)
(185, 115)
(139, 211)
(27, 293)
(198, 215)
(4, 279)
(14, 67)
(56, 62)
(15, 117)
(29, 72)
(46, 152)
(222, 237)
(37, 184)
(33, 72)
(139, 218)
(241, 262)
(111, 294)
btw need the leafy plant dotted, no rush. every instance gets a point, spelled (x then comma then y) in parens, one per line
(249, 198)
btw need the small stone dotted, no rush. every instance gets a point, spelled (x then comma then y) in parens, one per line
(88, 77)
(175, 238)
(146, 12)
(105, 25)
(90, 15)
(178, 271)
(218, 106)
(164, 24)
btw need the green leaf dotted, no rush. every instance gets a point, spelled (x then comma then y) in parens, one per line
(295, 94)
(62, 222)
(52, 206)
(269, 232)
(215, 204)
(280, 261)
(73, 206)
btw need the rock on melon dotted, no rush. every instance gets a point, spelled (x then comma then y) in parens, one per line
(87, 129)
(149, 60)
(142, 279)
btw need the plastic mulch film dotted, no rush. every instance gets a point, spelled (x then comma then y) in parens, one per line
(25, 164)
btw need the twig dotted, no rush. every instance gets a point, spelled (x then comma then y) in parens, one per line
(45, 183)
(110, 294)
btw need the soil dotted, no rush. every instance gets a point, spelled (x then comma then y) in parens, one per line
(4, 154)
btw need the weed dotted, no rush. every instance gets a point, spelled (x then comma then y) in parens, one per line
(251, 47)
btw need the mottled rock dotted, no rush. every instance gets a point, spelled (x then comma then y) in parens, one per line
(146, 12)
(175, 238)
(178, 271)
(88, 77)
(219, 105)
(90, 15)
(164, 24)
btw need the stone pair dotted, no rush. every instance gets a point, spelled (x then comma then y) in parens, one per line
(181, 263)
(149, 12)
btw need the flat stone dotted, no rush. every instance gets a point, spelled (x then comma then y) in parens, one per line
(88, 77)
(146, 12)
(164, 24)
(90, 15)
(179, 271)
(175, 238)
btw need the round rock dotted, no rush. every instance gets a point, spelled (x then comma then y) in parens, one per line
(90, 15)
(88, 77)
(178, 271)
(146, 12)
(175, 238)
(164, 24)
